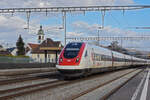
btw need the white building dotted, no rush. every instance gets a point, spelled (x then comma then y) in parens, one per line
(47, 51)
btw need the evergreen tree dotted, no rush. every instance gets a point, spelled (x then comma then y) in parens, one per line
(20, 46)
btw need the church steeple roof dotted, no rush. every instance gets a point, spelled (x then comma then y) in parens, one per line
(40, 32)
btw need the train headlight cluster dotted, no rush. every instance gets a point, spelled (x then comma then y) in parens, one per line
(61, 59)
(77, 60)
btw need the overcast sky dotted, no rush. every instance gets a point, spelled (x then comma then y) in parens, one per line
(78, 24)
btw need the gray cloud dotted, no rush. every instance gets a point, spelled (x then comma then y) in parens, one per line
(48, 3)
(92, 30)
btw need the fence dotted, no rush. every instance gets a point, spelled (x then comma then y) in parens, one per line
(15, 60)
(26, 65)
(21, 62)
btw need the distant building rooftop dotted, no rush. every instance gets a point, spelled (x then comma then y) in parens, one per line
(4, 53)
(11, 49)
(33, 46)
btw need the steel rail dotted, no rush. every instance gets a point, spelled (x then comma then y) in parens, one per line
(25, 78)
(50, 85)
(20, 91)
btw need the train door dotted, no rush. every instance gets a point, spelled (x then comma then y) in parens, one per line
(93, 57)
(89, 63)
(131, 61)
(86, 59)
(112, 58)
(125, 60)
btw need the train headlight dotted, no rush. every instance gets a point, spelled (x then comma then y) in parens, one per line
(77, 60)
(61, 59)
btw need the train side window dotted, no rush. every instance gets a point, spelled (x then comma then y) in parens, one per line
(99, 57)
(86, 54)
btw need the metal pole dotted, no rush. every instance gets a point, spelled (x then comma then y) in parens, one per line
(98, 36)
(64, 22)
(121, 42)
(45, 51)
(103, 16)
(28, 19)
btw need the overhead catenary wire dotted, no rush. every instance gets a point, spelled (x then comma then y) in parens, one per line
(115, 19)
(103, 16)
(72, 9)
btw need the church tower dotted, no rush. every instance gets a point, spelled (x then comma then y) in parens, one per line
(40, 35)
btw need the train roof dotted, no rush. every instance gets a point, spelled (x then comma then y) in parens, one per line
(106, 50)
(121, 55)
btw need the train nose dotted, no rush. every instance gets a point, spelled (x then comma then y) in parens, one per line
(71, 72)
(74, 61)
(71, 54)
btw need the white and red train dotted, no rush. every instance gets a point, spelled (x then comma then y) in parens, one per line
(80, 58)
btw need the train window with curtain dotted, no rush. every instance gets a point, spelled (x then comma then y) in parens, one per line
(109, 58)
(99, 57)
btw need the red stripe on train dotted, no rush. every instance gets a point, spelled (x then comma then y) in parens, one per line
(71, 61)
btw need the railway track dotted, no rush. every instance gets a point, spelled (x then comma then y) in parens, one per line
(22, 78)
(19, 91)
(50, 85)
(8, 93)
(106, 96)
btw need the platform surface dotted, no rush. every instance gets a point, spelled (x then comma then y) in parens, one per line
(136, 89)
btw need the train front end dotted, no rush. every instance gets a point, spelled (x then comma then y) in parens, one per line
(70, 60)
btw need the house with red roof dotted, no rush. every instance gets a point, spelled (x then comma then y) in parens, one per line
(47, 51)
(30, 47)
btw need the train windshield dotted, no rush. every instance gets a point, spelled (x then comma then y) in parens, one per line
(72, 50)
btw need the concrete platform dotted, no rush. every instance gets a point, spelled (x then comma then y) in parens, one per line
(23, 71)
(136, 89)
(101, 92)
